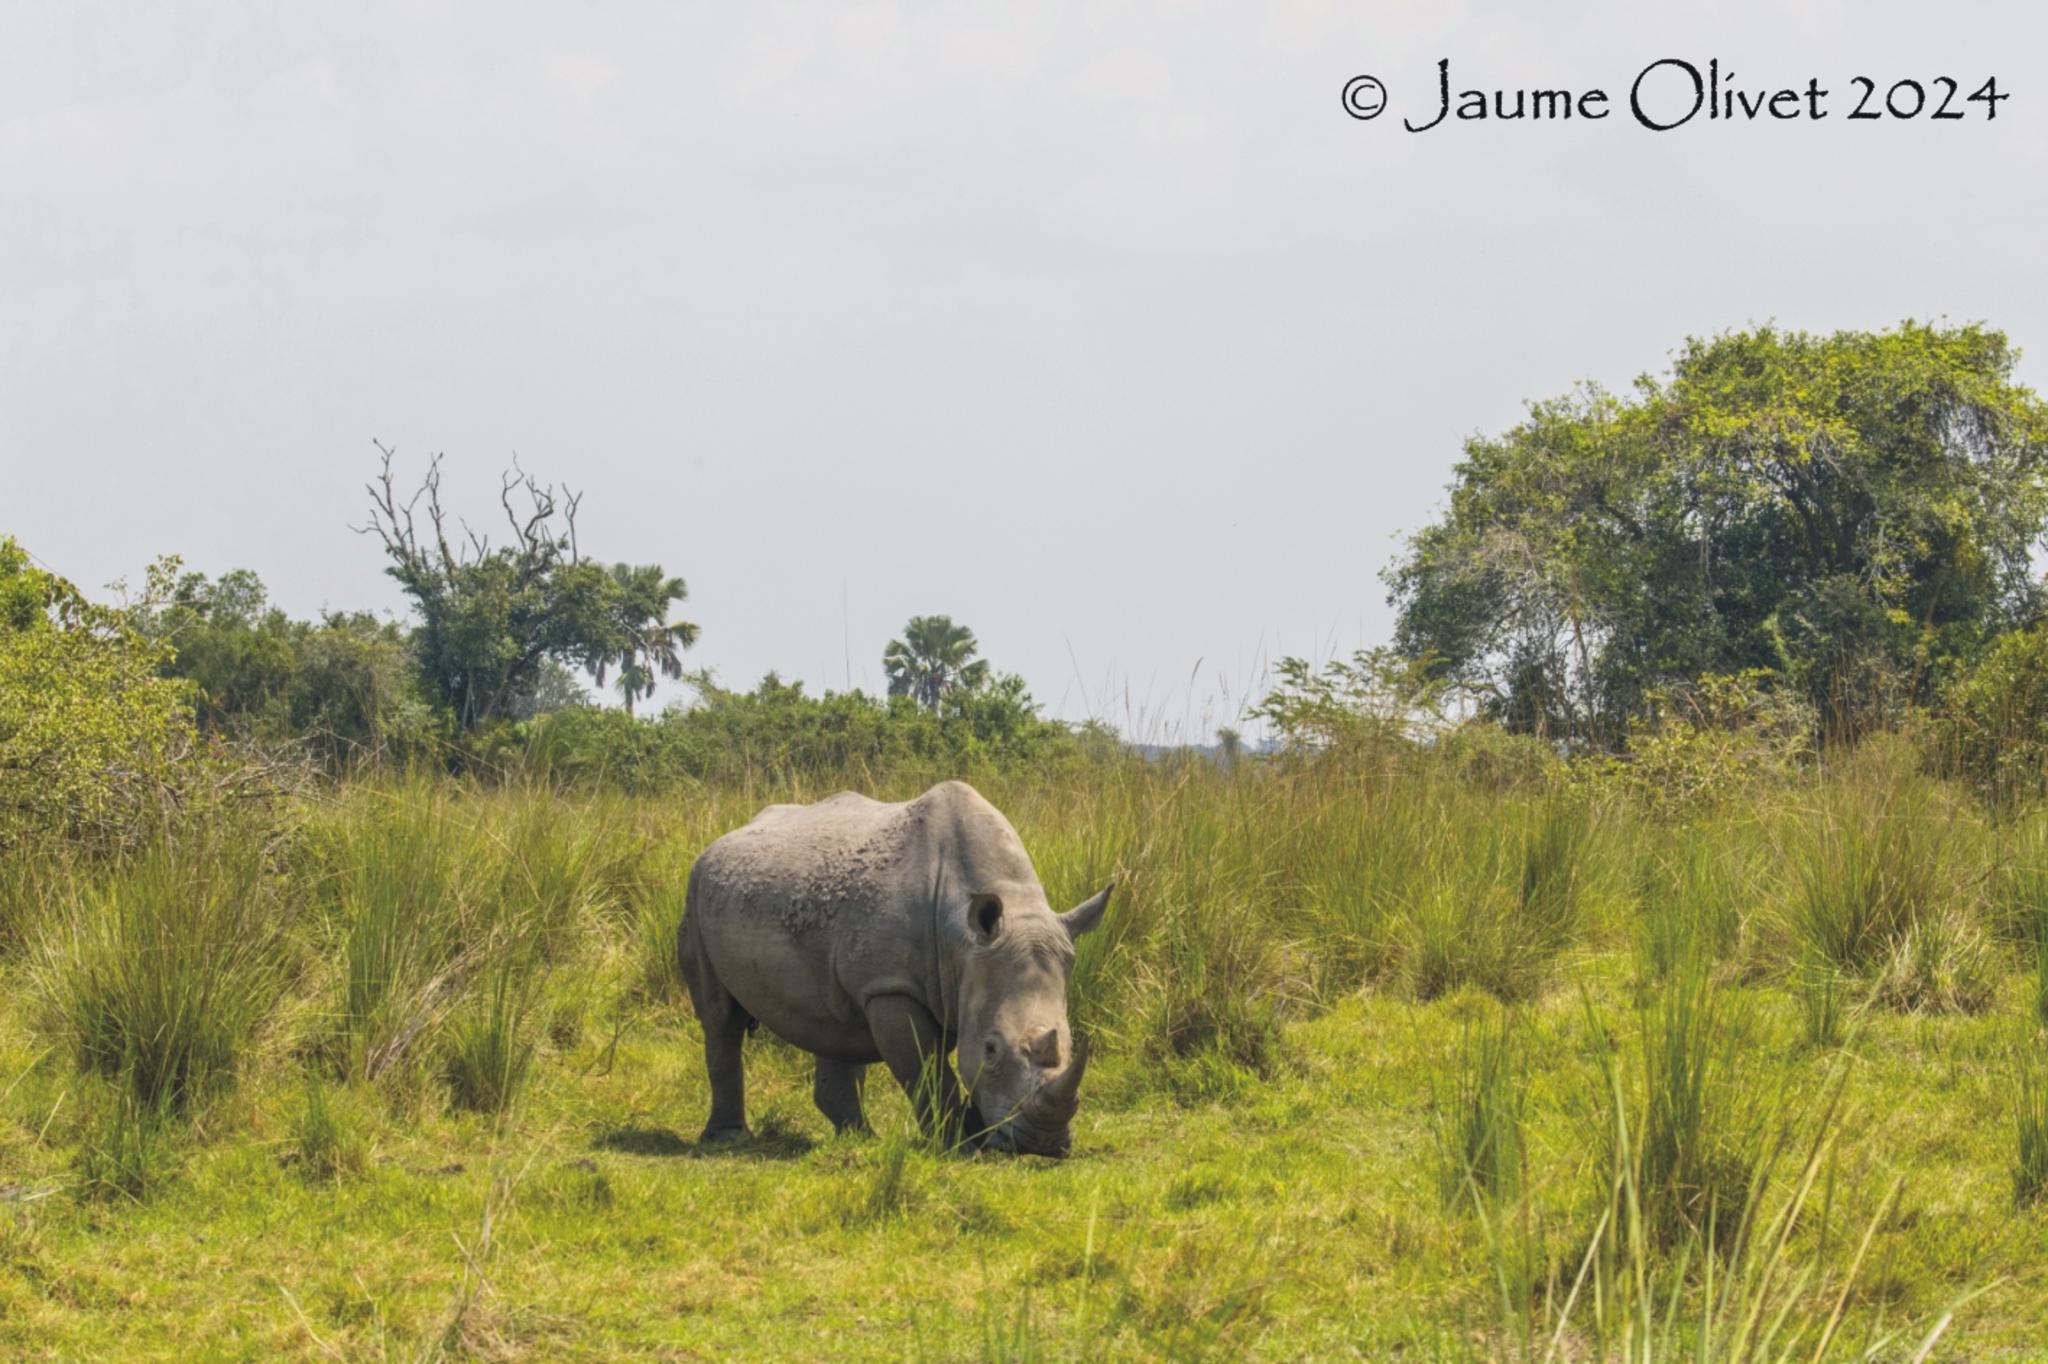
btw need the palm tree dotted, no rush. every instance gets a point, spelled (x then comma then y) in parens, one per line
(649, 644)
(934, 657)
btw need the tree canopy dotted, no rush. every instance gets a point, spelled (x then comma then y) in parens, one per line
(89, 730)
(934, 658)
(493, 616)
(345, 685)
(1854, 513)
(648, 643)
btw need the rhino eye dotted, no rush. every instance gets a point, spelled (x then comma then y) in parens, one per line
(988, 1048)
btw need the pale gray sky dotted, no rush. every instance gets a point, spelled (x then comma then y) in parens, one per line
(1098, 326)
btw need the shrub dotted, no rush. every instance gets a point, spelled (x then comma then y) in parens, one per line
(1706, 742)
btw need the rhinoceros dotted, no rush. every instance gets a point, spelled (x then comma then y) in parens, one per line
(861, 932)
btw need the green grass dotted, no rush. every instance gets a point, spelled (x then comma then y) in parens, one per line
(1299, 1081)
(159, 973)
(1479, 1119)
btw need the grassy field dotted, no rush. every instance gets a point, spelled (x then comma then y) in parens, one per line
(1391, 1062)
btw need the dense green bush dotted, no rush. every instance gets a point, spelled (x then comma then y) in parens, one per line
(1994, 732)
(778, 732)
(90, 734)
(345, 686)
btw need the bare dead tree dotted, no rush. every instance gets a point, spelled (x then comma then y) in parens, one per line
(539, 572)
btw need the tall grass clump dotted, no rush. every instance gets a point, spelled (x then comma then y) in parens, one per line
(491, 1041)
(1747, 1292)
(1823, 994)
(1211, 976)
(406, 892)
(1504, 900)
(128, 1145)
(1689, 894)
(1479, 1119)
(1877, 892)
(1699, 1147)
(2018, 890)
(32, 879)
(1357, 848)
(2039, 979)
(2030, 1124)
(328, 1141)
(160, 969)
(565, 867)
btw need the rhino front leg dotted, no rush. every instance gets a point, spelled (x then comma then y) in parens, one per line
(914, 1049)
(836, 1091)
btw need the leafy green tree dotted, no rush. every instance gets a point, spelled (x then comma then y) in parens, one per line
(344, 686)
(90, 733)
(491, 615)
(1854, 513)
(934, 657)
(650, 643)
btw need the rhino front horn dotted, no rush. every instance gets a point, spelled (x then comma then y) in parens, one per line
(1059, 1098)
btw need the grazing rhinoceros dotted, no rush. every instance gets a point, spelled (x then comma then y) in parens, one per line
(866, 932)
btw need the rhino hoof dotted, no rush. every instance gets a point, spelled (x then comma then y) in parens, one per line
(719, 1135)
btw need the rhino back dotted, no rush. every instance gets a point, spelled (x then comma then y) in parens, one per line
(809, 910)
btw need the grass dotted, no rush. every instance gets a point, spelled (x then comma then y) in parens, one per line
(449, 1111)
(160, 973)
(1479, 1120)
(2030, 1121)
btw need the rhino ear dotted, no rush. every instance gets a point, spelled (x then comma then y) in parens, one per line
(985, 917)
(1084, 916)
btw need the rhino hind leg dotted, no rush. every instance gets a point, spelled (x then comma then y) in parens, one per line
(837, 1090)
(725, 1025)
(728, 1076)
(914, 1048)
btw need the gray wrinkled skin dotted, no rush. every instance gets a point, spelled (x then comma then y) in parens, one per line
(866, 932)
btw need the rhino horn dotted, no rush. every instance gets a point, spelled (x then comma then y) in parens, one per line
(1055, 1102)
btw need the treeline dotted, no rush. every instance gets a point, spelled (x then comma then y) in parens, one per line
(200, 688)
(348, 691)
(1786, 545)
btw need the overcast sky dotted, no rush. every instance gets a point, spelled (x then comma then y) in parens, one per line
(1099, 327)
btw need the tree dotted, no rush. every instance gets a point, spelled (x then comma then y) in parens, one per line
(649, 643)
(491, 616)
(934, 657)
(344, 686)
(1229, 746)
(1854, 513)
(91, 736)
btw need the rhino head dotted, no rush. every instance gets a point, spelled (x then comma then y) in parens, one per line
(1018, 1059)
